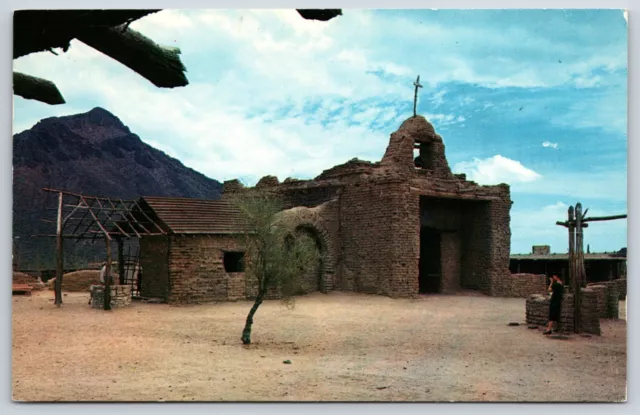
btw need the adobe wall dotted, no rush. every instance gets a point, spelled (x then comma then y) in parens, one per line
(524, 285)
(500, 240)
(197, 270)
(476, 242)
(379, 233)
(154, 260)
(321, 224)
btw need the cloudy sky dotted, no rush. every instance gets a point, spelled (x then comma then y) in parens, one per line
(535, 99)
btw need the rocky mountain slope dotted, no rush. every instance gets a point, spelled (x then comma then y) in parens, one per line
(92, 153)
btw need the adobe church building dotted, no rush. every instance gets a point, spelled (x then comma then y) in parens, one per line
(399, 227)
(402, 226)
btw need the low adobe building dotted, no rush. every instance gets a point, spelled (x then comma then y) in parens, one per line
(402, 226)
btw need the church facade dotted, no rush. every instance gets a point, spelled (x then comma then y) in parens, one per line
(403, 226)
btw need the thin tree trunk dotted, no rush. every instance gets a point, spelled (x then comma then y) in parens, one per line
(59, 255)
(107, 282)
(246, 333)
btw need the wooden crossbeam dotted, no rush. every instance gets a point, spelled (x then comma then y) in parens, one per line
(108, 215)
(70, 214)
(146, 216)
(573, 224)
(100, 212)
(124, 206)
(603, 218)
(82, 220)
(129, 212)
(106, 233)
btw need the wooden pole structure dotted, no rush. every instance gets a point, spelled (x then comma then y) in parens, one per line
(582, 277)
(576, 223)
(575, 286)
(59, 255)
(121, 270)
(107, 282)
(579, 261)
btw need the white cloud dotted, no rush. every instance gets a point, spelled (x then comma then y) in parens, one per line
(537, 225)
(496, 170)
(253, 72)
(607, 186)
(438, 98)
(549, 144)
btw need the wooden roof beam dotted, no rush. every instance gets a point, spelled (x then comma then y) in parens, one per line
(97, 221)
(158, 64)
(30, 87)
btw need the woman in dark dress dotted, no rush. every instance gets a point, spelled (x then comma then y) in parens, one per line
(555, 304)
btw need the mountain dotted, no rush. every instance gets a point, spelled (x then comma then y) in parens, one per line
(92, 153)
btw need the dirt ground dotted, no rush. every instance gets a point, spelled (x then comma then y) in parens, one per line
(342, 347)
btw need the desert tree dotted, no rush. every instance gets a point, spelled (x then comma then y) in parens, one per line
(275, 256)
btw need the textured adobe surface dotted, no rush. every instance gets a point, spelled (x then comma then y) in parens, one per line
(373, 215)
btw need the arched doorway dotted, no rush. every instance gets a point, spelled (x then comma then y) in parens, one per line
(311, 279)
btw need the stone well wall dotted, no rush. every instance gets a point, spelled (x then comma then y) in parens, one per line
(120, 296)
(619, 284)
(537, 311)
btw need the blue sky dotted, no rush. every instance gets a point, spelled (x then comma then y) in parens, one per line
(536, 99)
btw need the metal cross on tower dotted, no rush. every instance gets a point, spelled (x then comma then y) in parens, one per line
(415, 96)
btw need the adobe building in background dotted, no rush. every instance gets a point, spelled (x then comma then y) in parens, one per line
(402, 226)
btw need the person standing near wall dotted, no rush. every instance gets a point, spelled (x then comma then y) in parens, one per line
(555, 304)
(103, 277)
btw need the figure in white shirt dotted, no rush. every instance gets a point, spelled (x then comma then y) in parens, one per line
(103, 272)
(103, 278)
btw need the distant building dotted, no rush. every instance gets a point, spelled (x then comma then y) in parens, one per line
(599, 267)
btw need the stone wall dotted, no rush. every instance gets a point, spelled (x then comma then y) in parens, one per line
(375, 238)
(500, 240)
(154, 260)
(620, 285)
(197, 269)
(321, 224)
(537, 311)
(476, 243)
(120, 296)
(541, 250)
(523, 285)
(236, 286)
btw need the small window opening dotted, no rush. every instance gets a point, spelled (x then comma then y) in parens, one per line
(234, 261)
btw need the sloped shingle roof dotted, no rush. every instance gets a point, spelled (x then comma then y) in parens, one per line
(197, 216)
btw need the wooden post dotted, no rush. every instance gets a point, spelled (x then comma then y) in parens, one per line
(121, 270)
(575, 285)
(107, 282)
(59, 255)
(579, 261)
(581, 274)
